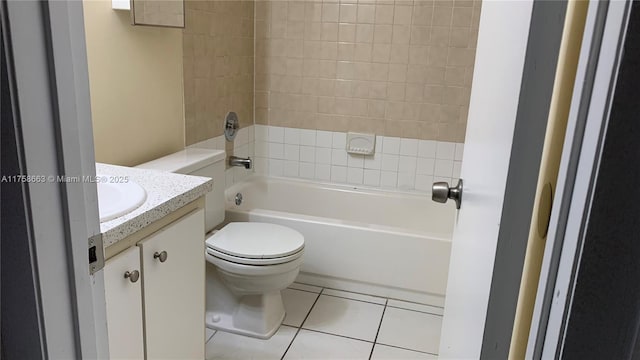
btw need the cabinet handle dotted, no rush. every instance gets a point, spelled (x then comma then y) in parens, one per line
(133, 276)
(160, 255)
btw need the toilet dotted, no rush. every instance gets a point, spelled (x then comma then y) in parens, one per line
(248, 263)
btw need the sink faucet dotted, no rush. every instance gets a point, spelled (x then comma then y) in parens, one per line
(238, 161)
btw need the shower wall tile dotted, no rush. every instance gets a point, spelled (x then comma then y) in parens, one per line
(408, 165)
(218, 66)
(394, 68)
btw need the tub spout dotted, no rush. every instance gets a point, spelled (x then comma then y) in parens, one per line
(238, 161)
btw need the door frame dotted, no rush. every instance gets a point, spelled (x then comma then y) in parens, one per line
(588, 118)
(47, 69)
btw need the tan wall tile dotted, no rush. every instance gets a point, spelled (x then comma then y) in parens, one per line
(384, 14)
(382, 34)
(442, 14)
(395, 68)
(462, 16)
(402, 15)
(218, 71)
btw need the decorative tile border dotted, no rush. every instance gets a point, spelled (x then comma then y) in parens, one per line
(398, 163)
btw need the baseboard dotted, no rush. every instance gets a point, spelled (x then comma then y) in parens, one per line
(370, 289)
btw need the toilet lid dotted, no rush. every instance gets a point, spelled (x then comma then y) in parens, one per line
(256, 240)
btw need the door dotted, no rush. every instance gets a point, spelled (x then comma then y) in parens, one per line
(500, 58)
(173, 268)
(48, 85)
(123, 292)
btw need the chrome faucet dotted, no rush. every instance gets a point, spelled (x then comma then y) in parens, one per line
(238, 161)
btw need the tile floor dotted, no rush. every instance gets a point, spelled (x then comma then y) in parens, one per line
(329, 324)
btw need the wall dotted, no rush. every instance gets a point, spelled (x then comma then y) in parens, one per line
(400, 69)
(398, 163)
(218, 66)
(135, 75)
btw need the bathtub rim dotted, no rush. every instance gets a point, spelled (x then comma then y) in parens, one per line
(387, 192)
(231, 192)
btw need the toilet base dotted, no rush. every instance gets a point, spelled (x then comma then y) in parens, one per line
(257, 316)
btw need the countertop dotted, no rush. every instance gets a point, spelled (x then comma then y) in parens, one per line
(166, 192)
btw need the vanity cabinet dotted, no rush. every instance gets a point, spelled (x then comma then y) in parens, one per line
(168, 299)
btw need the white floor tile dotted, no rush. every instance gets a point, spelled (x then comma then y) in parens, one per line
(417, 307)
(297, 304)
(313, 345)
(381, 352)
(356, 319)
(208, 333)
(225, 345)
(354, 296)
(305, 287)
(410, 330)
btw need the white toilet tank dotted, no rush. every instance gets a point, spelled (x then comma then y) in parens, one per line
(198, 162)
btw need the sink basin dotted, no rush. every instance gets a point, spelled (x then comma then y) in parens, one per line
(117, 199)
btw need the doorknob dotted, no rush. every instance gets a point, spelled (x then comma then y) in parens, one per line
(441, 192)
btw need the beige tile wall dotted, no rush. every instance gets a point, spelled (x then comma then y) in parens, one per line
(218, 66)
(400, 68)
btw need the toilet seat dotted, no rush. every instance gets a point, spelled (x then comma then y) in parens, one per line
(255, 262)
(254, 243)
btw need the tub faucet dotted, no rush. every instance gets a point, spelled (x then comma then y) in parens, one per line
(238, 161)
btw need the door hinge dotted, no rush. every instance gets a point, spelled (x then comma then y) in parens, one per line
(96, 254)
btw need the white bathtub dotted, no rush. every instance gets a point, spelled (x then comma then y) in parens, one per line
(383, 243)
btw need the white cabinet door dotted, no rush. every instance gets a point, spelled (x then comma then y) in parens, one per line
(124, 305)
(173, 289)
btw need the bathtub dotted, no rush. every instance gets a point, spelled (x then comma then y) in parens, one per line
(383, 243)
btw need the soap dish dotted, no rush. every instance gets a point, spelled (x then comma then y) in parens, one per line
(361, 144)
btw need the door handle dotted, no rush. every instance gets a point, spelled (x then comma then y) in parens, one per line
(133, 276)
(441, 192)
(162, 256)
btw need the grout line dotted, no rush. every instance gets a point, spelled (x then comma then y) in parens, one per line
(417, 303)
(338, 335)
(371, 302)
(347, 298)
(210, 337)
(379, 326)
(403, 348)
(214, 334)
(355, 292)
(418, 311)
(319, 287)
(300, 327)
(307, 291)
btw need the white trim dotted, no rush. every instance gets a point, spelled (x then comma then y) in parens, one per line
(563, 182)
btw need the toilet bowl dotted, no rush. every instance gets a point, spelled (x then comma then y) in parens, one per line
(248, 264)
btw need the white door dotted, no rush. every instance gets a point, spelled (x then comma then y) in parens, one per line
(500, 55)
